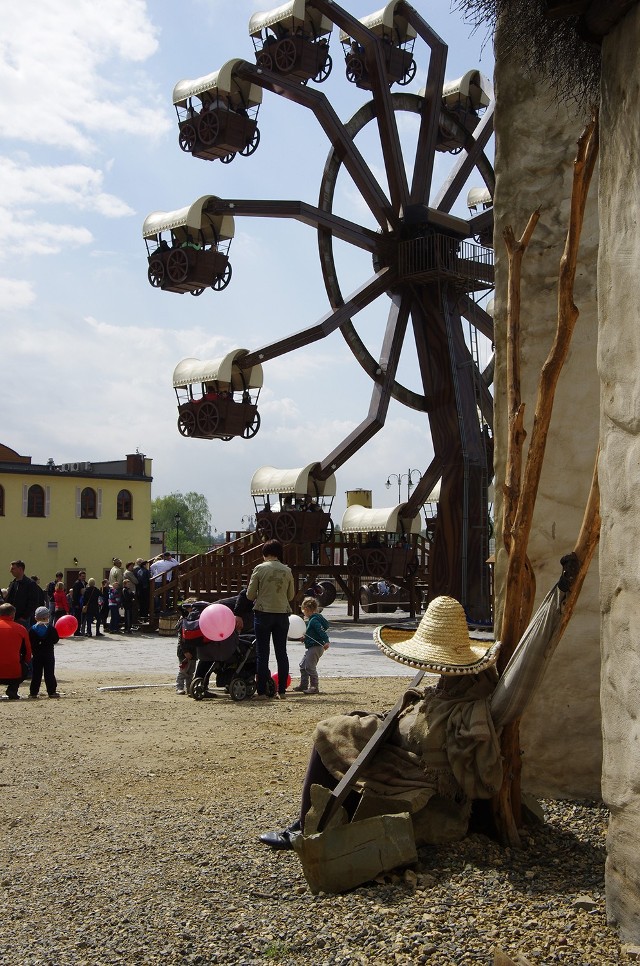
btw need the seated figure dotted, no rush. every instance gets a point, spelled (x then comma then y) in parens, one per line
(443, 751)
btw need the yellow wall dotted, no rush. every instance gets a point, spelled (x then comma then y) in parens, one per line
(93, 542)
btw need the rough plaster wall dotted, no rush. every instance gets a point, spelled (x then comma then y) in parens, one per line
(535, 148)
(619, 366)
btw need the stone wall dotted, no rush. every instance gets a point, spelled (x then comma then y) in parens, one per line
(619, 365)
(535, 148)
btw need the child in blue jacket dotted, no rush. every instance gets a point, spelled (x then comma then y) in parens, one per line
(316, 642)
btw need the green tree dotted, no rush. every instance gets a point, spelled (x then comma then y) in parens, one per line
(193, 533)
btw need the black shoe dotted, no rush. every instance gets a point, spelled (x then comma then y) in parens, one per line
(280, 840)
(98, 634)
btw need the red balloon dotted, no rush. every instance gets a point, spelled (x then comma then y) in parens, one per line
(66, 625)
(275, 680)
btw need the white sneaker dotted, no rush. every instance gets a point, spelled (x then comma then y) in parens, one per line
(312, 691)
(178, 691)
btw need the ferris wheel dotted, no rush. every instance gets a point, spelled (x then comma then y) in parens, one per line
(431, 262)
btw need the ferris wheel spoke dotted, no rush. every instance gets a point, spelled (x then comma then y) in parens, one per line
(425, 487)
(333, 320)
(388, 130)
(429, 126)
(470, 158)
(477, 316)
(335, 130)
(432, 106)
(342, 228)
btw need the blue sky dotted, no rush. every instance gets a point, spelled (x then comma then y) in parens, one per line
(88, 148)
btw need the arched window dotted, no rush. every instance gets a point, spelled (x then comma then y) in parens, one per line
(1, 501)
(88, 504)
(35, 501)
(125, 505)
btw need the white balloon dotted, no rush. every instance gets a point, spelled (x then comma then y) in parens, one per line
(297, 628)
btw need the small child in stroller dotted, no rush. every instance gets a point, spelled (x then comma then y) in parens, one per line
(233, 661)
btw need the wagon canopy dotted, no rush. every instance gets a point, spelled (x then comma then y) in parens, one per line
(386, 23)
(223, 371)
(479, 198)
(226, 82)
(362, 519)
(473, 89)
(296, 13)
(195, 218)
(268, 479)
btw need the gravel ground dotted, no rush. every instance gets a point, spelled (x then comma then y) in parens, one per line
(129, 822)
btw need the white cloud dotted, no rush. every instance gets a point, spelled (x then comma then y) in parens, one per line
(75, 185)
(15, 294)
(57, 77)
(30, 236)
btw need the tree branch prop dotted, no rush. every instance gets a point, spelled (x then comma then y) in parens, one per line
(567, 317)
(520, 500)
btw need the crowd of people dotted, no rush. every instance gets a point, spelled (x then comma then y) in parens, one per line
(29, 614)
(118, 603)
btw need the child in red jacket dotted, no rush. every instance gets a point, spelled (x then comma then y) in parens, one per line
(15, 649)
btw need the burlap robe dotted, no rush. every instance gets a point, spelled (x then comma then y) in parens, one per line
(443, 753)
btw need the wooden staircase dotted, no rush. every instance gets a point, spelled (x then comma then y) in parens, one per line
(224, 571)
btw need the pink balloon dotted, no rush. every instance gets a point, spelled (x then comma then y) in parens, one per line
(275, 680)
(217, 622)
(66, 625)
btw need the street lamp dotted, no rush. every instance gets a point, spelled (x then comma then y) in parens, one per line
(177, 519)
(399, 477)
(249, 522)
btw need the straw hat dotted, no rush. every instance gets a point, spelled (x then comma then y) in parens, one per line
(441, 642)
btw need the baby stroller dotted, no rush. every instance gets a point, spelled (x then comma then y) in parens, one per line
(233, 661)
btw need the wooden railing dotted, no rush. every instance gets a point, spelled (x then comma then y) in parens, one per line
(223, 571)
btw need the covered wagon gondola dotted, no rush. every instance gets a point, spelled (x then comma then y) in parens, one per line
(218, 114)
(464, 100)
(217, 399)
(294, 507)
(188, 249)
(381, 542)
(292, 40)
(397, 36)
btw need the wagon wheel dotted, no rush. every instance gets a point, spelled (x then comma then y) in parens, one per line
(408, 75)
(187, 422)
(249, 148)
(251, 428)
(365, 600)
(327, 534)
(196, 291)
(264, 529)
(221, 281)
(228, 158)
(285, 55)
(208, 418)
(178, 265)
(324, 71)
(285, 527)
(208, 127)
(355, 565)
(376, 563)
(264, 60)
(328, 594)
(155, 272)
(355, 69)
(187, 137)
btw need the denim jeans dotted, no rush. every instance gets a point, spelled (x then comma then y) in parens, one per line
(265, 627)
